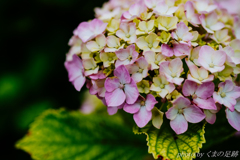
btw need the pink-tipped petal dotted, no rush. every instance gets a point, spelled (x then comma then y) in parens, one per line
(122, 73)
(233, 119)
(150, 102)
(179, 124)
(167, 51)
(132, 108)
(172, 113)
(193, 114)
(112, 110)
(210, 117)
(79, 82)
(182, 102)
(205, 103)
(115, 98)
(111, 84)
(142, 117)
(131, 92)
(205, 90)
(189, 88)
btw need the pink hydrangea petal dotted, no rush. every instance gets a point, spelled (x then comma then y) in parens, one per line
(132, 68)
(179, 124)
(216, 69)
(75, 72)
(172, 10)
(164, 68)
(237, 106)
(205, 103)
(115, 98)
(79, 82)
(219, 58)
(190, 13)
(217, 26)
(111, 84)
(88, 30)
(83, 32)
(123, 75)
(180, 49)
(229, 102)
(193, 69)
(124, 62)
(189, 88)
(209, 79)
(132, 108)
(217, 98)
(167, 51)
(142, 62)
(187, 37)
(177, 81)
(142, 117)
(112, 110)
(182, 102)
(172, 113)
(170, 87)
(235, 93)
(131, 92)
(122, 54)
(150, 102)
(233, 119)
(193, 114)
(99, 75)
(190, 78)
(204, 59)
(205, 90)
(181, 29)
(227, 86)
(210, 117)
(176, 65)
(74, 68)
(137, 77)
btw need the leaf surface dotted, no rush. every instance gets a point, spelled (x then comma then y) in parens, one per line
(164, 142)
(63, 135)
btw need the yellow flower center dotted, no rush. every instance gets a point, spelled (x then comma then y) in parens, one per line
(110, 59)
(200, 78)
(173, 97)
(150, 45)
(162, 86)
(127, 35)
(140, 70)
(223, 94)
(194, 96)
(142, 103)
(173, 75)
(180, 111)
(130, 58)
(143, 86)
(156, 62)
(211, 65)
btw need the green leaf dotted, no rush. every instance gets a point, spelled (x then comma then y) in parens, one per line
(164, 142)
(63, 135)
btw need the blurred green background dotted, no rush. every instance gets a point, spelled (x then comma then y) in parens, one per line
(33, 38)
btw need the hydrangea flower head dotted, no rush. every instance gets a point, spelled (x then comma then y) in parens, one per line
(139, 55)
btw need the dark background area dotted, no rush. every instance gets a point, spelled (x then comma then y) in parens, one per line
(33, 42)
